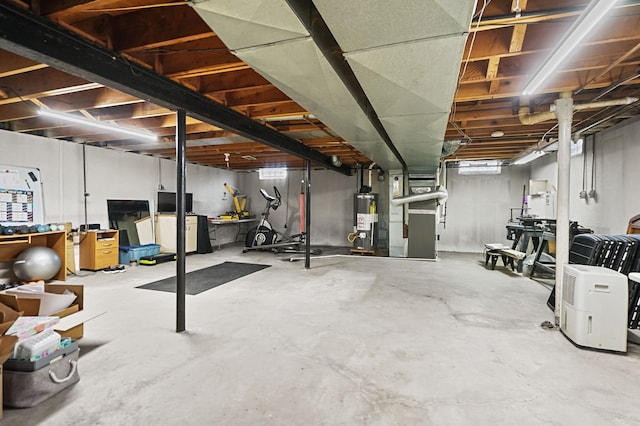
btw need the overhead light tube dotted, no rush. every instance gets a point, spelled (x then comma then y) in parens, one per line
(98, 125)
(596, 10)
(527, 158)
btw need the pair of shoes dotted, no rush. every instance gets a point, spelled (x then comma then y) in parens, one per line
(547, 325)
(113, 269)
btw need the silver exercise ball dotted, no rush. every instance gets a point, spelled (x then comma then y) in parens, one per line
(36, 263)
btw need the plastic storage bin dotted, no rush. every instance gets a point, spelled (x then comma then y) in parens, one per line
(129, 253)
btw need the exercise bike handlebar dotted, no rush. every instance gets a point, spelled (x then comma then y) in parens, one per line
(272, 202)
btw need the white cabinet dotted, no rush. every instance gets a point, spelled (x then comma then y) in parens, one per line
(166, 233)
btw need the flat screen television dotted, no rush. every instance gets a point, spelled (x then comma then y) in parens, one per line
(167, 202)
(123, 215)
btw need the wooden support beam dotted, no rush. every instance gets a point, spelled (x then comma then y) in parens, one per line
(492, 67)
(517, 39)
(494, 86)
(43, 82)
(12, 64)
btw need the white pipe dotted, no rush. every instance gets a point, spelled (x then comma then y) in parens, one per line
(564, 111)
(441, 195)
(371, 168)
(602, 104)
(529, 119)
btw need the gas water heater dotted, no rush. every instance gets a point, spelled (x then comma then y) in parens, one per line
(365, 219)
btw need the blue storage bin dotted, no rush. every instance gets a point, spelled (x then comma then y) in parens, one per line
(129, 253)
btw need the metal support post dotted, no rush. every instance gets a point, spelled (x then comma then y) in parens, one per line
(181, 141)
(307, 218)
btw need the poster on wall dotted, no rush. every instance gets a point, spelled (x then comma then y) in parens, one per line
(20, 196)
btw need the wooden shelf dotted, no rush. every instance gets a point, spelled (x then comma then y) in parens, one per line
(12, 245)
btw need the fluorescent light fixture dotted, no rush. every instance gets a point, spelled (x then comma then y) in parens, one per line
(98, 125)
(529, 157)
(480, 167)
(596, 10)
(289, 117)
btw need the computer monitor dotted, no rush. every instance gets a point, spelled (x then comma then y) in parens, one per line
(167, 202)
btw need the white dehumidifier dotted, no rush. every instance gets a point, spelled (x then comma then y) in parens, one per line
(594, 307)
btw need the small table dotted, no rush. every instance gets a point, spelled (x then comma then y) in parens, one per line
(214, 223)
(546, 266)
(492, 251)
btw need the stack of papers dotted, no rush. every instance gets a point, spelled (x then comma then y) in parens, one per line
(28, 326)
(49, 302)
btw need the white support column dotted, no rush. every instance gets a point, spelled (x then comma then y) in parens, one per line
(564, 112)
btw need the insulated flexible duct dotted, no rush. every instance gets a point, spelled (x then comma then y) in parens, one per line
(441, 195)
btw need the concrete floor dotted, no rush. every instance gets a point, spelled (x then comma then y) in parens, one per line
(354, 340)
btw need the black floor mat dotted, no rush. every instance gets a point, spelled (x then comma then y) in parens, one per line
(205, 279)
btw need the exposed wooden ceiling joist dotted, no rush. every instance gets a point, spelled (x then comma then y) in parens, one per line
(167, 39)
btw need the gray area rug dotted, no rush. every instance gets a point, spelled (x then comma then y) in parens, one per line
(205, 279)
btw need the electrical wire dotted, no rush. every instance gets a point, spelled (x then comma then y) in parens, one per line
(584, 172)
(11, 89)
(545, 135)
(167, 51)
(286, 214)
(593, 164)
(132, 8)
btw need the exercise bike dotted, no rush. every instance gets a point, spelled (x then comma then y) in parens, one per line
(265, 237)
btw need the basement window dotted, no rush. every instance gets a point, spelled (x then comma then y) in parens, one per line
(272, 173)
(480, 167)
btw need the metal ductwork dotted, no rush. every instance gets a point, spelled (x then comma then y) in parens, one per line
(441, 195)
(449, 147)
(408, 72)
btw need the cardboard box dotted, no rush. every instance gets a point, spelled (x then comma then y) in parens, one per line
(8, 317)
(71, 319)
(6, 346)
(30, 307)
(71, 255)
